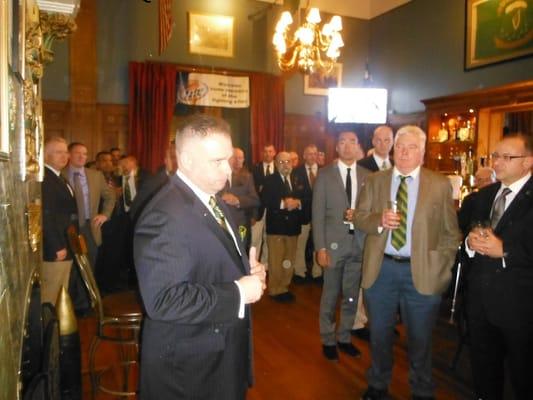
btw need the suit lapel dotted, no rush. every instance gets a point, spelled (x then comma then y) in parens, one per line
(424, 188)
(338, 178)
(204, 215)
(522, 202)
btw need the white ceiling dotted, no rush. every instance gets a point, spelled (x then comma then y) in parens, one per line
(364, 9)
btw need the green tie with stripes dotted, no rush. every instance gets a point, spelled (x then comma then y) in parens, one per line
(399, 235)
(219, 215)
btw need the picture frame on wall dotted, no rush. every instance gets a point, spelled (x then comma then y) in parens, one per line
(211, 34)
(5, 27)
(18, 38)
(318, 83)
(497, 32)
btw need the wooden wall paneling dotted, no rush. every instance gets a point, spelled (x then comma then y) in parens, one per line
(301, 130)
(56, 118)
(83, 77)
(112, 127)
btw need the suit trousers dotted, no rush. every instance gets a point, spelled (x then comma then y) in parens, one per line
(281, 255)
(259, 240)
(54, 274)
(340, 280)
(394, 286)
(492, 347)
(300, 265)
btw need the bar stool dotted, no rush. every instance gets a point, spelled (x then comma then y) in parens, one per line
(119, 316)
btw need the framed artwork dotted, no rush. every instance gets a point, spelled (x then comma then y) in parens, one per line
(5, 28)
(211, 35)
(318, 83)
(18, 37)
(497, 31)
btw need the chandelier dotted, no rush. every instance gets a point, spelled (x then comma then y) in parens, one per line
(311, 49)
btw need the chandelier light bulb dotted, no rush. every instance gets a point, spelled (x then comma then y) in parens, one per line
(286, 18)
(336, 40)
(305, 35)
(336, 23)
(314, 16)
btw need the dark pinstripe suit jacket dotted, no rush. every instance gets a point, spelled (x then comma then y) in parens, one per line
(193, 344)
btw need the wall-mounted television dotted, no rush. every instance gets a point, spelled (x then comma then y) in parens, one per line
(357, 105)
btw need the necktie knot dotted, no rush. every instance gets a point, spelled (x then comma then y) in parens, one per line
(384, 165)
(498, 207)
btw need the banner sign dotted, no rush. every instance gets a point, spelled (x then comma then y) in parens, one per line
(213, 90)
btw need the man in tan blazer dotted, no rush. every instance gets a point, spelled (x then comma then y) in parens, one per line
(94, 198)
(412, 237)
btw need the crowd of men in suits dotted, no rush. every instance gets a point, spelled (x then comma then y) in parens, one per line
(380, 233)
(102, 202)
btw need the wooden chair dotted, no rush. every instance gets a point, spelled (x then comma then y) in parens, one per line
(119, 316)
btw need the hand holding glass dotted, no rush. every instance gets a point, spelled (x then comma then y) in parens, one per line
(391, 215)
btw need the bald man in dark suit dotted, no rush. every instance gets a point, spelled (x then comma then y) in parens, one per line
(195, 279)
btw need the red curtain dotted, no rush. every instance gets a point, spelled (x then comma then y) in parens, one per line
(267, 112)
(151, 105)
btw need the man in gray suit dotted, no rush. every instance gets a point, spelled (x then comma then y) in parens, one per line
(338, 244)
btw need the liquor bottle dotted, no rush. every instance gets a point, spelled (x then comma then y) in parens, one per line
(442, 135)
(470, 163)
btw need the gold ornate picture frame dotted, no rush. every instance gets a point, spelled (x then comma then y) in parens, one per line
(5, 28)
(211, 35)
(318, 83)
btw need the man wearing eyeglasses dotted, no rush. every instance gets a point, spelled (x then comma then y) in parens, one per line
(282, 198)
(499, 301)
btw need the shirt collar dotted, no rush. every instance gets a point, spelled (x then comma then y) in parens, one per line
(203, 196)
(313, 167)
(73, 169)
(379, 160)
(55, 171)
(413, 174)
(345, 167)
(517, 185)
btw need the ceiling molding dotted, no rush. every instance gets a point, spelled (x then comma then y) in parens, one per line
(363, 9)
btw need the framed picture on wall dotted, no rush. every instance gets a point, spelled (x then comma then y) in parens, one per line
(211, 35)
(497, 31)
(318, 83)
(5, 28)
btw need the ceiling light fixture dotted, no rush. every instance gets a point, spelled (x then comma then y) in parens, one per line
(311, 49)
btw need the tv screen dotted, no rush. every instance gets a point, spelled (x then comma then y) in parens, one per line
(357, 105)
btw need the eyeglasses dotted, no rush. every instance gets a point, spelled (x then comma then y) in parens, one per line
(283, 161)
(504, 157)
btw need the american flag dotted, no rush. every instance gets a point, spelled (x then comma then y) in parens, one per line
(166, 23)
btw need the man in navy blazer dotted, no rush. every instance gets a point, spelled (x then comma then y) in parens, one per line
(499, 298)
(382, 140)
(194, 277)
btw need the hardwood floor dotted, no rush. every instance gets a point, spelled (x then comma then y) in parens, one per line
(289, 364)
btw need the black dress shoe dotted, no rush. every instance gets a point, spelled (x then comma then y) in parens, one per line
(286, 297)
(349, 349)
(318, 280)
(363, 333)
(374, 394)
(330, 352)
(415, 397)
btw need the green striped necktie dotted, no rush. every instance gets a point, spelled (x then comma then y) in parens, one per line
(219, 215)
(399, 235)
